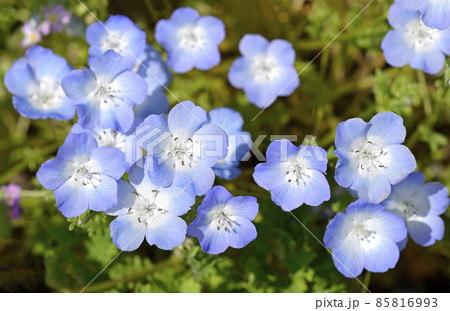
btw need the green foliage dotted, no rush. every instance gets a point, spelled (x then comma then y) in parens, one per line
(349, 79)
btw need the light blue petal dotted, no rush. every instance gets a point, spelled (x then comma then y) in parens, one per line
(437, 15)
(438, 196)
(317, 189)
(287, 82)
(214, 241)
(398, 16)
(402, 244)
(281, 150)
(252, 44)
(346, 171)
(245, 207)
(350, 131)
(386, 224)
(425, 231)
(316, 157)
(40, 58)
(432, 62)
(214, 28)
(185, 119)
(184, 15)
(170, 232)
(154, 70)
(348, 260)
(372, 188)
(111, 161)
(270, 175)
(401, 163)
(208, 57)
(133, 88)
(332, 237)
(71, 200)
(239, 74)
(19, 78)
(396, 51)
(156, 103)
(53, 174)
(89, 115)
(77, 145)
(104, 195)
(125, 199)
(127, 233)
(108, 66)
(259, 94)
(227, 172)
(380, 255)
(386, 128)
(414, 5)
(242, 233)
(210, 144)
(283, 51)
(181, 60)
(228, 119)
(214, 197)
(177, 199)
(77, 84)
(195, 181)
(289, 196)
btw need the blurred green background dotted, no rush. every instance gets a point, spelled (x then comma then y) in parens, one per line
(38, 252)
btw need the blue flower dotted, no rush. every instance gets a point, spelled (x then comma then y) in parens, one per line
(294, 175)
(150, 211)
(371, 156)
(34, 80)
(413, 43)
(157, 75)
(435, 14)
(224, 221)
(364, 237)
(419, 205)
(105, 93)
(125, 142)
(182, 148)
(265, 71)
(190, 40)
(83, 175)
(118, 33)
(239, 142)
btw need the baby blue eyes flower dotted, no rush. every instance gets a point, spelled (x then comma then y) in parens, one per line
(265, 70)
(294, 175)
(150, 211)
(35, 85)
(364, 237)
(371, 156)
(419, 204)
(190, 40)
(238, 141)
(106, 92)
(83, 176)
(224, 221)
(435, 13)
(118, 33)
(182, 148)
(413, 43)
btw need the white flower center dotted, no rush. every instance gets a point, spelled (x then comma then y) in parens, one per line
(298, 172)
(408, 210)
(111, 138)
(191, 37)
(114, 41)
(84, 175)
(47, 94)
(222, 220)
(420, 37)
(107, 95)
(181, 152)
(145, 209)
(264, 68)
(370, 157)
(362, 233)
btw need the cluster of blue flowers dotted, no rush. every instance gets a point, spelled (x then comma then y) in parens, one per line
(421, 35)
(170, 159)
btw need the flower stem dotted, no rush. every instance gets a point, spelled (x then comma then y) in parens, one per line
(365, 288)
(426, 96)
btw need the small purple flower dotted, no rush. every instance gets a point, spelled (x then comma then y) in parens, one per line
(419, 204)
(118, 33)
(265, 70)
(106, 92)
(34, 81)
(435, 13)
(148, 211)
(224, 221)
(413, 43)
(190, 40)
(12, 198)
(57, 16)
(364, 237)
(294, 175)
(371, 156)
(239, 142)
(83, 176)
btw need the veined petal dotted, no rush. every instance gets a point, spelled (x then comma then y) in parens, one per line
(316, 189)
(127, 233)
(242, 233)
(401, 162)
(425, 231)
(166, 231)
(245, 206)
(185, 119)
